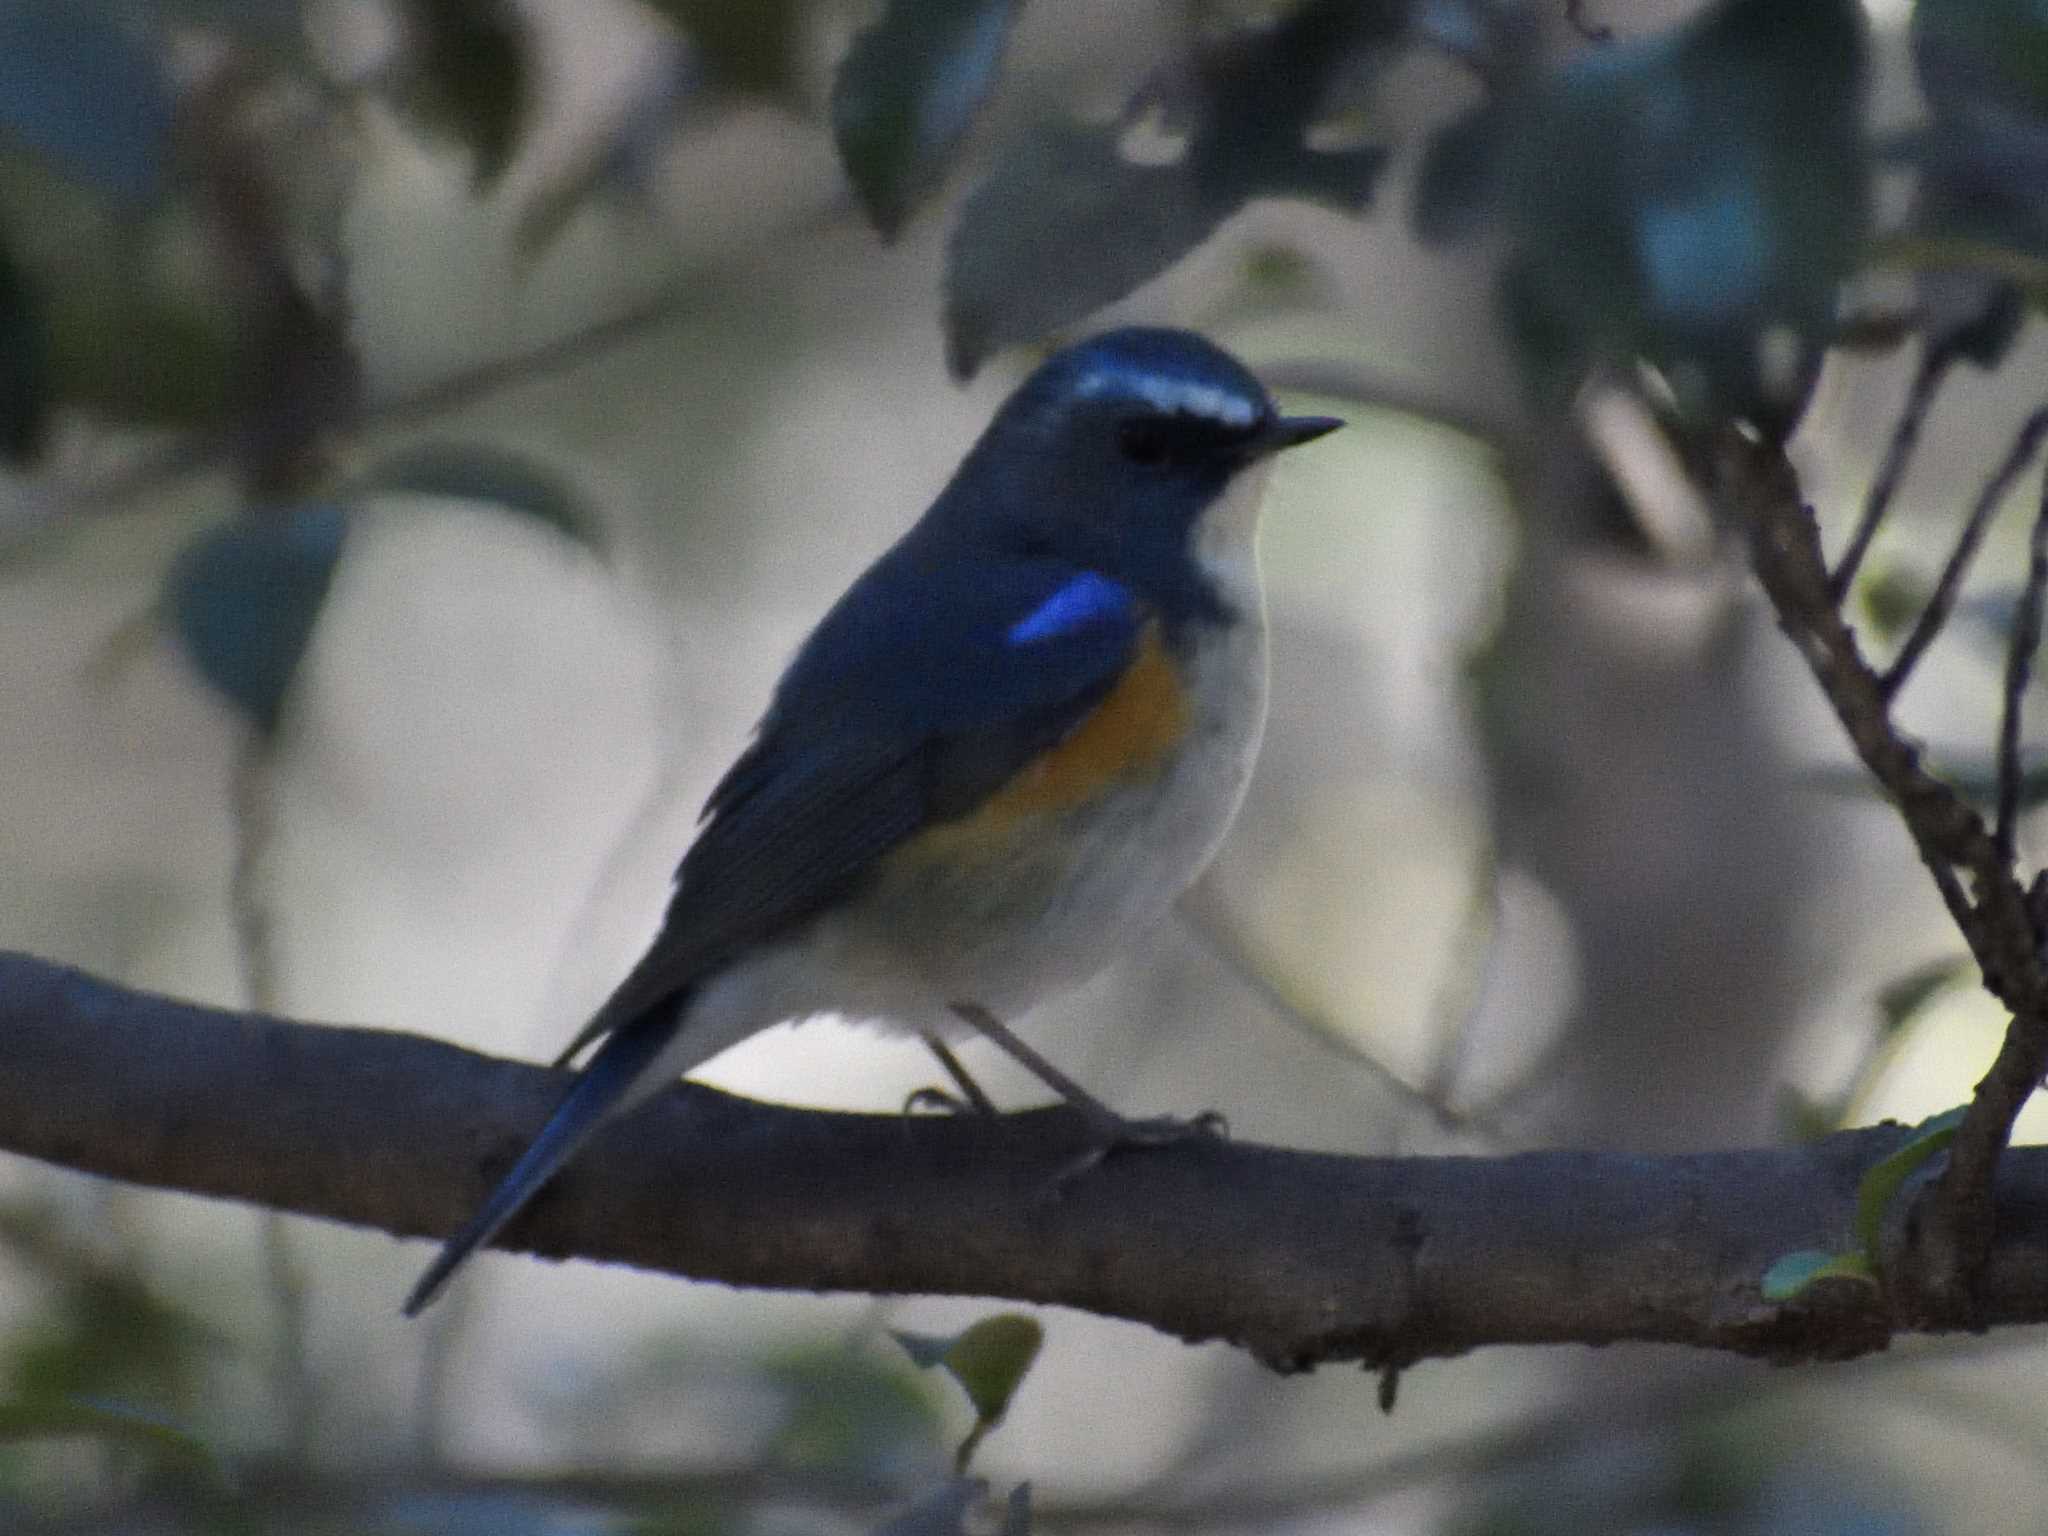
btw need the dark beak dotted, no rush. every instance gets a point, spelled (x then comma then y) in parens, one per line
(1292, 431)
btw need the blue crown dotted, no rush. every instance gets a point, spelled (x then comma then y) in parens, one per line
(1172, 372)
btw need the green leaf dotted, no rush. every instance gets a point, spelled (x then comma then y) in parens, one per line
(1457, 188)
(750, 45)
(24, 366)
(906, 94)
(1881, 1184)
(1793, 1273)
(990, 1361)
(1903, 998)
(518, 482)
(243, 599)
(64, 1417)
(1973, 54)
(1891, 600)
(849, 1411)
(1681, 199)
(473, 67)
(1982, 159)
(130, 326)
(1804, 1118)
(1068, 222)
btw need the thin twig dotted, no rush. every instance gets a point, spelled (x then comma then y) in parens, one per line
(1934, 365)
(2019, 659)
(1223, 947)
(1458, 998)
(2026, 443)
(1952, 1230)
(252, 813)
(150, 472)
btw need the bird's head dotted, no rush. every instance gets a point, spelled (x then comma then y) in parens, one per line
(1136, 452)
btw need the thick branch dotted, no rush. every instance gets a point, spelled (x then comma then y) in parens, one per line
(1298, 1257)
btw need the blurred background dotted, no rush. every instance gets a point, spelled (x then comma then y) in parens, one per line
(433, 425)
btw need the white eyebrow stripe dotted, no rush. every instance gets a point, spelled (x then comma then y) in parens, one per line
(1163, 392)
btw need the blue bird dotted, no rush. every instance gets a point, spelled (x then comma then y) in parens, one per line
(1011, 744)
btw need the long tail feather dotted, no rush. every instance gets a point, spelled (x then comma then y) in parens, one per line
(611, 1076)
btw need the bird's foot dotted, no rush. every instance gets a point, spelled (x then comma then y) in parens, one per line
(1111, 1133)
(972, 1099)
(937, 1101)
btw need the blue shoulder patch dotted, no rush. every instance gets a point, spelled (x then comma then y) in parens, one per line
(1078, 603)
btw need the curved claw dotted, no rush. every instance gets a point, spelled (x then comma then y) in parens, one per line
(1116, 1134)
(936, 1101)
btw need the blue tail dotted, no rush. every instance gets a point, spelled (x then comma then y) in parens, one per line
(612, 1073)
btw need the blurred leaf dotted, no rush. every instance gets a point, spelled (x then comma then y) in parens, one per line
(243, 599)
(1993, 50)
(474, 67)
(1793, 1273)
(103, 1333)
(944, 1511)
(1067, 222)
(1891, 600)
(1805, 1118)
(904, 97)
(1977, 782)
(134, 328)
(1903, 999)
(750, 45)
(1983, 157)
(34, 1420)
(1881, 1185)
(88, 92)
(848, 1411)
(1681, 198)
(1457, 189)
(518, 482)
(990, 1361)
(24, 366)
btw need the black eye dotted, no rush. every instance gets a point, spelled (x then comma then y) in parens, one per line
(1143, 441)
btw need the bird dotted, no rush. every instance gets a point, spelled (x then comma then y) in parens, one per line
(1010, 745)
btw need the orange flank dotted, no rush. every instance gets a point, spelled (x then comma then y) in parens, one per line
(1124, 739)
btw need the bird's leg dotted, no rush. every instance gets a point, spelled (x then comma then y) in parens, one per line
(973, 1097)
(1109, 1130)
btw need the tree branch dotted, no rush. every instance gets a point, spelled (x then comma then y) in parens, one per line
(1953, 1232)
(1297, 1257)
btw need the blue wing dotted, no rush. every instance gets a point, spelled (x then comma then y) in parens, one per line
(911, 703)
(907, 706)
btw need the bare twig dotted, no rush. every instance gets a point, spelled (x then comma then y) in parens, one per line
(1216, 940)
(1934, 365)
(2026, 443)
(2019, 659)
(1954, 1228)
(1459, 996)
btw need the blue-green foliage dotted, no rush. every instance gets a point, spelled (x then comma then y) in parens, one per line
(1674, 198)
(243, 599)
(907, 92)
(78, 86)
